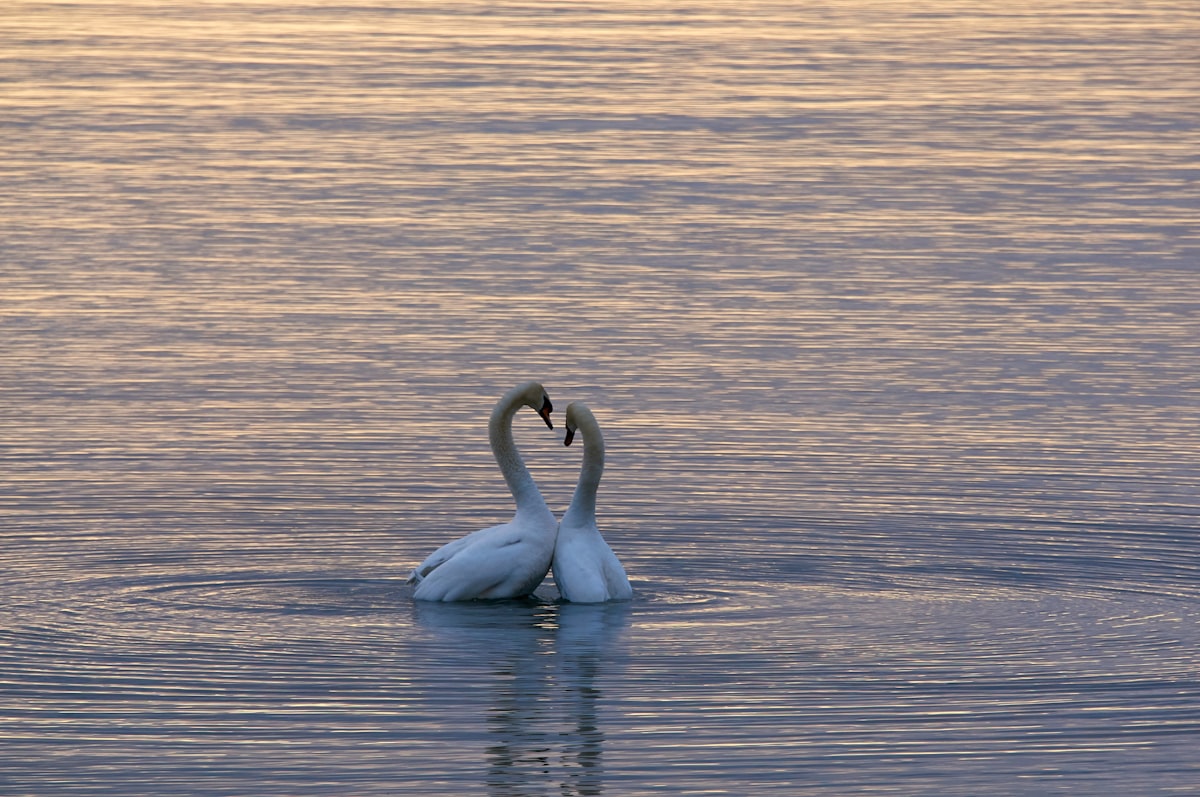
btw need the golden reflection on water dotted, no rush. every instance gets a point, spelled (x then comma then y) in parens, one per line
(887, 313)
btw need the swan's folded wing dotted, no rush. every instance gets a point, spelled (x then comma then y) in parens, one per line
(501, 565)
(443, 555)
(587, 570)
(577, 571)
(616, 578)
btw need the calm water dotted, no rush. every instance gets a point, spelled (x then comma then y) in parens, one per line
(889, 312)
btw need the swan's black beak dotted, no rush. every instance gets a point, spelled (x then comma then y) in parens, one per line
(570, 436)
(545, 411)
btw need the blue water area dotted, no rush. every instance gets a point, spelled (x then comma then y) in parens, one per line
(888, 314)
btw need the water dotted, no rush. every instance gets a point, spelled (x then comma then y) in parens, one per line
(888, 312)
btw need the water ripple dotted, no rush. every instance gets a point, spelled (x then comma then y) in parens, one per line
(888, 314)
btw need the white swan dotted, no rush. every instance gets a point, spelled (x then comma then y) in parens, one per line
(509, 560)
(585, 569)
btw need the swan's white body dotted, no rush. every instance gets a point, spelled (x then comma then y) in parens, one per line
(505, 561)
(585, 569)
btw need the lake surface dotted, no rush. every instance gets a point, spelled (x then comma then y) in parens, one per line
(889, 313)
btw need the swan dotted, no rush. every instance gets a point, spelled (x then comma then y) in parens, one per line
(509, 560)
(585, 569)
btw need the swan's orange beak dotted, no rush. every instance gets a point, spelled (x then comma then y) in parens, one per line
(570, 436)
(545, 411)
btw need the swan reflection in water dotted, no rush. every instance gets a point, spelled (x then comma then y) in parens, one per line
(545, 663)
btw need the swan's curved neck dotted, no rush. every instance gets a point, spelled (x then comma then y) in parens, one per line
(590, 472)
(504, 448)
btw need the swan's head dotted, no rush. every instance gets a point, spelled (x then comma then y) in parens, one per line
(576, 412)
(545, 411)
(534, 396)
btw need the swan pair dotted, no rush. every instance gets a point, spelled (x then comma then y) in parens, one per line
(510, 560)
